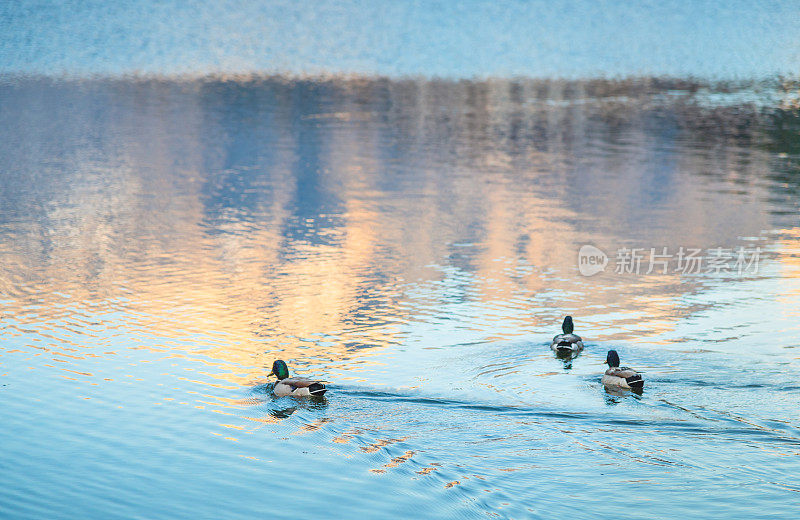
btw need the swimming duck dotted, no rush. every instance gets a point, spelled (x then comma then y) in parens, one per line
(294, 386)
(568, 342)
(621, 377)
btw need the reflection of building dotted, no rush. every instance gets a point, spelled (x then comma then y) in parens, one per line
(262, 214)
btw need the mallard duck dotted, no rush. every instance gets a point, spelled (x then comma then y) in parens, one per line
(294, 386)
(568, 342)
(621, 377)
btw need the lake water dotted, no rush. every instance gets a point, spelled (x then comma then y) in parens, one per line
(414, 242)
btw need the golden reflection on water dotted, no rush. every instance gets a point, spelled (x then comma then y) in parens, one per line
(230, 222)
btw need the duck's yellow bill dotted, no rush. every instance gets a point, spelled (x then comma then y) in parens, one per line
(271, 374)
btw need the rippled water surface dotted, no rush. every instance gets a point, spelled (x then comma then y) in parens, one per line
(739, 39)
(415, 243)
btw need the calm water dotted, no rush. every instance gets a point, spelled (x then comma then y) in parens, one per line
(735, 39)
(185, 197)
(414, 243)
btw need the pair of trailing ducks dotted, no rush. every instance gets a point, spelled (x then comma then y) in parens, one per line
(569, 344)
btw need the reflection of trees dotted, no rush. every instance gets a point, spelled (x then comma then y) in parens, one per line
(270, 210)
(782, 137)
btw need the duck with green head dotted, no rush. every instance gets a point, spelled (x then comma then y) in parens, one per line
(621, 377)
(294, 386)
(567, 343)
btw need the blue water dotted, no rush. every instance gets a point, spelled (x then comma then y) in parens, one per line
(575, 39)
(415, 244)
(392, 198)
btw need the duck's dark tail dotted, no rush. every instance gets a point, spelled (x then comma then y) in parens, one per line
(317, 389)
(635, 382)
(564, 348)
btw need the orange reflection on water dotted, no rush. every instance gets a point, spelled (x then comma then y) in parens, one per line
(322, 233)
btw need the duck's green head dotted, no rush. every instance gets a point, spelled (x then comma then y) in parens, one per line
(567, 326)
(279, 370)
(612, 358)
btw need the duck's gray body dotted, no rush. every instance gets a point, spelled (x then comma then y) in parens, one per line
(299, 387)
(623, 377)
(566, 343)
